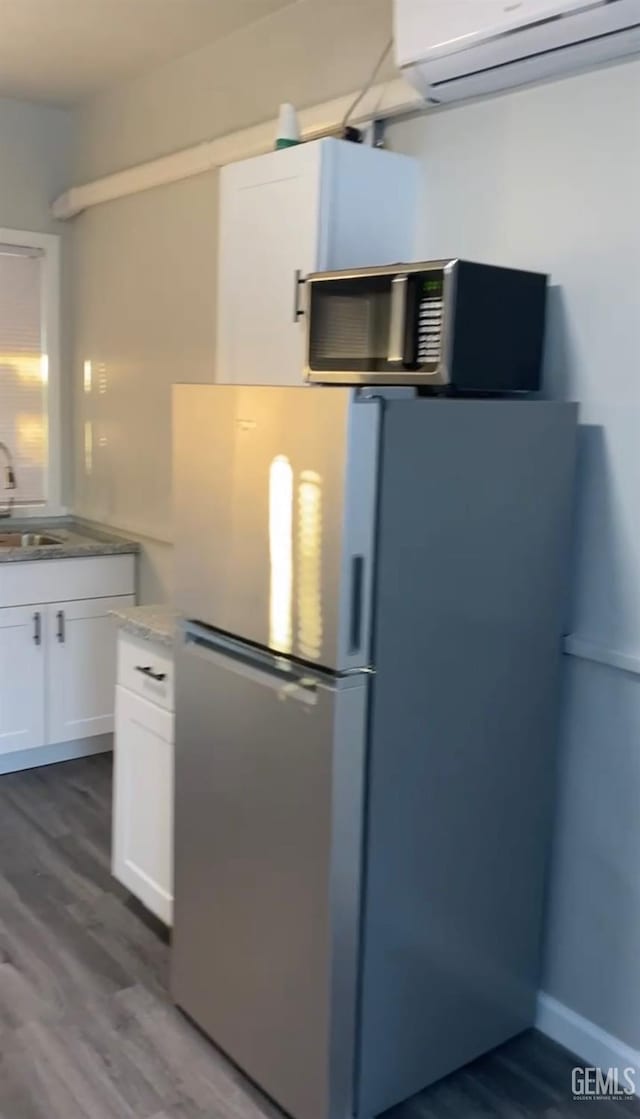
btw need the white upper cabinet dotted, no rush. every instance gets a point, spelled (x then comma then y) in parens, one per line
(315, 207)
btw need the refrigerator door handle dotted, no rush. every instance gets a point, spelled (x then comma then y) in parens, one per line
(269, 671)
(397, 326)
(357, 591)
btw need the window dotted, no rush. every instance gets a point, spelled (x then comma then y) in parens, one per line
(29, 372)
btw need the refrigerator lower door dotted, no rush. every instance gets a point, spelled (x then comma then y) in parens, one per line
(269, 805)
(275, 504)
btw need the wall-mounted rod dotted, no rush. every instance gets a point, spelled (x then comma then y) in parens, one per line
(381, 102)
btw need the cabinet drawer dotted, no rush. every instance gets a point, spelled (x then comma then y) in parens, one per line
(66, 580)
(143, 802)
(146, 669)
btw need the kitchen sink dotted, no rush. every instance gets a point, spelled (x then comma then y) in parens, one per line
(27, 540)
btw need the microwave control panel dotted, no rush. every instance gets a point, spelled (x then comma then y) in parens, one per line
(430, 318)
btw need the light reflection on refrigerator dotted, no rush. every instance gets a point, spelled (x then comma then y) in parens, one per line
(281, 554)
(309, 565)
(88, 447)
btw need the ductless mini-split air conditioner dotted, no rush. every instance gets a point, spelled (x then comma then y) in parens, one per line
(453, 49)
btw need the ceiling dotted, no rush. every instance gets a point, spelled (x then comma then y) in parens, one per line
(62, 51)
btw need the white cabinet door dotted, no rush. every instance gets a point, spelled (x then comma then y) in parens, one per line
(269, 224)
(320, 206)
(22, 690)
(143, 802)
(81, 673)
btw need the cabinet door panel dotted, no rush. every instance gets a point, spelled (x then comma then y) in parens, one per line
(22, 636)
(81, 675)
(143, 802)
(269, 221)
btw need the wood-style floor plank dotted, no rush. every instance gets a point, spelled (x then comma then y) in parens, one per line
(87, 1028)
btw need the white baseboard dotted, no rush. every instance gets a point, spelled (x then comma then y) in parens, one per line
(50, 755)
(589, 1042)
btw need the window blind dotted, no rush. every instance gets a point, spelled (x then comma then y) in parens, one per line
(23, 372)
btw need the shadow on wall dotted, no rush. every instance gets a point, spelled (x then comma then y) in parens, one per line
(558, 373)
(602, 595)
(593, 909)
(596, 524)
(593, 904)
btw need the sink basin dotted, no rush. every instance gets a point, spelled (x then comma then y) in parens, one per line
(27, 540)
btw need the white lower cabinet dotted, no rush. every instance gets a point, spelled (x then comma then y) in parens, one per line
(22, 679)
(81, 640)
(57, 658)
(143, 779)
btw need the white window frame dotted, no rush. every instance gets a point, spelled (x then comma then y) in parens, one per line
(49, 243)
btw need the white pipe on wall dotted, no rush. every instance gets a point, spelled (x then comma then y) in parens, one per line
(381, 102)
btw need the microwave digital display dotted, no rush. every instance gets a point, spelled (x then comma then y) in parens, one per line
(433, 287)
(427, 330)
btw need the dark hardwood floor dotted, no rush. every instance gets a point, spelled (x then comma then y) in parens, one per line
(87, 1030)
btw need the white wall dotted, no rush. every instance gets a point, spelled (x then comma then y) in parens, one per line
(144, 272)
(35, 153)
(549, 178)
(145, 267)
(35, 149)
(305, 53)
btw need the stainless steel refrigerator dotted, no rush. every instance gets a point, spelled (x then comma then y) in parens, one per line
(373, 589)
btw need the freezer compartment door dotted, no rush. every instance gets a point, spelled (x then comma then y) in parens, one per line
(269, 774)
(274, 499)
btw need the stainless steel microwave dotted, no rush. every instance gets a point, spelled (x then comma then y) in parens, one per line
(449, 324)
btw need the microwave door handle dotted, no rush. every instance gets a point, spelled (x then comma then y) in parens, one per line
(298, 283)
(398, 319)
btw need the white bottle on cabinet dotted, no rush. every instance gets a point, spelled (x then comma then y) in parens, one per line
(320, 206)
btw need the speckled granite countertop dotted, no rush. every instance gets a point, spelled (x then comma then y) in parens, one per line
(74, 539)
(151, 623)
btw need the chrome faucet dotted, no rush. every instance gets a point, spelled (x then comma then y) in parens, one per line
(10, 480)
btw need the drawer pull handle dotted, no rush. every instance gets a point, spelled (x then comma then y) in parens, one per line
(60, 627)
(37, 628)
(147, 670)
